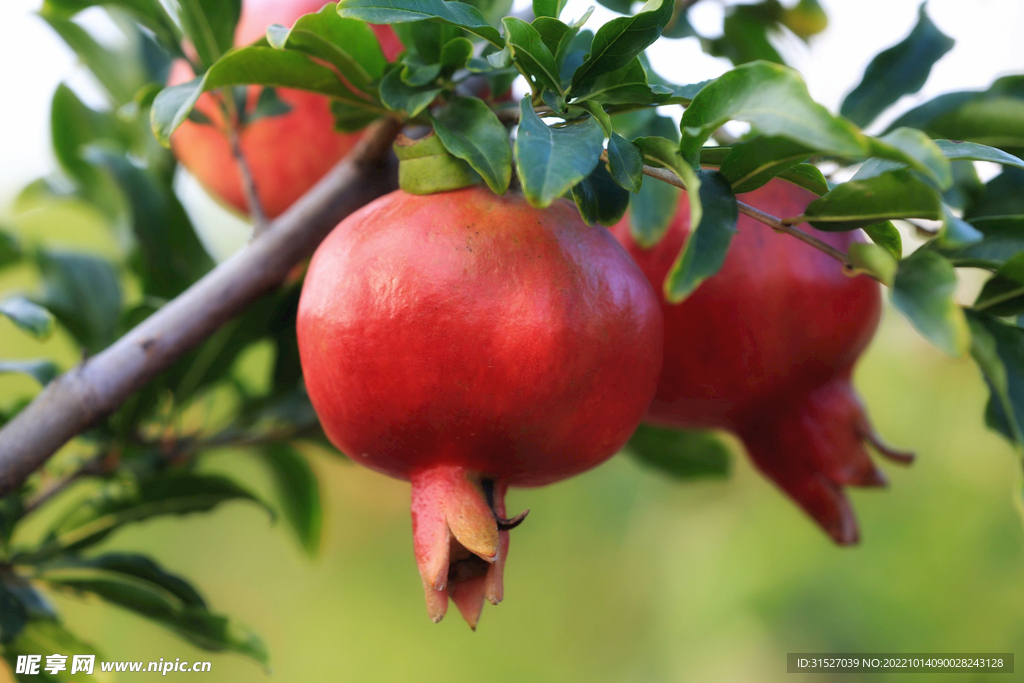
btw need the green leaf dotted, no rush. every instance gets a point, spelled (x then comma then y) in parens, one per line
(998, 349)
(875, 260)
(628, 85)
(10, 249)
(548, 8)
(530, 52)
(84, 294)
(600, 199)
(456, 53)
(900, 70)
(886, 236)
(120, 77)
(653, 208)
(471, 131)
(210, 26)
(552, 32)
(956, 232)
(753, 163)
(75, 128)
(861, 202)
(1002, 239)
(13, 615)
(681, 454)
(1003, 293)
(426, 167)
(923, 291)
(298, 492)
(745, 34)
(125, 565)
(349, 45)
(773, 99)
(249, 66)
(651, 212)
(992, 117)
(808, 177)
(958, 150)
(705, 249)
(349, 119)
(268, 105)
(620, 40)
(151, 14)
(43, 371)
(1000, 197)
(551, 160)
(626, 163)
(167, 254)
(398, 96)
(664, 153)
(927, 157)
(397, 11)
(121, 503)
(29, 316)
(195, 624)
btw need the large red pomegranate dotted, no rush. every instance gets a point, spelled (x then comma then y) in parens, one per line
(287, 154)
(469, 342)
(765, 348)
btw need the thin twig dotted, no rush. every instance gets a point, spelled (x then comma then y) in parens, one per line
(777, 224)
(232, 123)
(92, 466)
(98, 385)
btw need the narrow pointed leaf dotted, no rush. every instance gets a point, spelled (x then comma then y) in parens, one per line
(898, 71)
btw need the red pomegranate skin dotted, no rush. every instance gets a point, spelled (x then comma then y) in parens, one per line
(765, 349)
(469, 342)
(286, 154)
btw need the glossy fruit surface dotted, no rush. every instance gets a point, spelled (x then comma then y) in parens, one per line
(766, 347)
(469, 342)
(287, 154)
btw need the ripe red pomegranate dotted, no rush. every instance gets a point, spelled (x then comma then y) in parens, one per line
(287, 154)
(765, 348)
(467, 343)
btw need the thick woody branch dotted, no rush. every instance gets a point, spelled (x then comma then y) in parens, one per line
(97, 386)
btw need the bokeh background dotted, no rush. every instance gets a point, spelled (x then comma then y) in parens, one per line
(620, 574)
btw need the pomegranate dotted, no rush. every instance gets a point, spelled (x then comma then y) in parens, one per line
(765, 349)
(468, 342)
(287, 154)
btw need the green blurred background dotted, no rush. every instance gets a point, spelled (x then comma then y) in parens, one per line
(618, 575)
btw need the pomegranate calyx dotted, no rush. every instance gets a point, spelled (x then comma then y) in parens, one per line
(458, 539)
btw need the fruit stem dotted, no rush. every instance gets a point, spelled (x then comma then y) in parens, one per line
(232, 122)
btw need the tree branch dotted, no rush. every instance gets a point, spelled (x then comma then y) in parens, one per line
(777, 224)
(97, 386)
